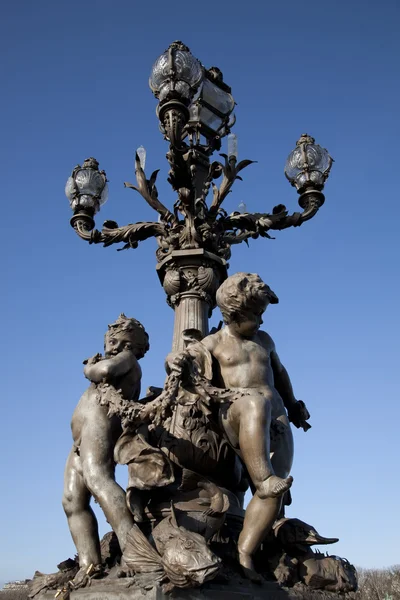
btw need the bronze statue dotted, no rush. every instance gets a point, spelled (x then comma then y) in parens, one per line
(261, 398)
(221, 421)
(89, 471)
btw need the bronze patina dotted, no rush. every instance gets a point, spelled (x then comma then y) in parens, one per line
(222, 422)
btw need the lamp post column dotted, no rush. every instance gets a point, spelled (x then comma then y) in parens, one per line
(190, 279)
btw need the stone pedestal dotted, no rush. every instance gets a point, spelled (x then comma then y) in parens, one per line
(236, 589)
(123, 590)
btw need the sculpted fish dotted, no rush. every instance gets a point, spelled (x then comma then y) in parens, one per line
(182, 556)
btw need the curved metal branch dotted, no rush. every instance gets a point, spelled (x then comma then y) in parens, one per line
(239, 227)
(230, 171)
(83, 223)
(131, 234)
(249, 224)
(112, 234)
(237, 237)
(148, 190)
(310, 201)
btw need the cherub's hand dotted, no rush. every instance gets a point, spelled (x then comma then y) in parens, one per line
(94, 359)
(176, 361)
(298, 415)
(149, 410)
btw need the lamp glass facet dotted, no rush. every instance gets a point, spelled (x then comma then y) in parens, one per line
(87, 188)
(217, 98)
(104, 195)
(70, 189)
(211, 107)
(89, 181)
(210, 119)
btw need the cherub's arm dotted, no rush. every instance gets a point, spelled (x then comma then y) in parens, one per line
(109, 368)
(282, 381)
(297, 411)
(195, 352)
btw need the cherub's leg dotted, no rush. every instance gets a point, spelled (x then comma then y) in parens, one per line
(81, 519)
(261, 513)
(97, 450)
(249, 419)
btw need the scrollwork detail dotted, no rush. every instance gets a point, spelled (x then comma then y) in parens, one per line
(203, 226)
(203, 281)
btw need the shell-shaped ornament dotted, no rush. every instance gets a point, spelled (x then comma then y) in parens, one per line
(207, 279)
(172, 282)
(90, 182)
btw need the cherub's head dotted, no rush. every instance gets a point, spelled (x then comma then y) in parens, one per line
(242, 299)
(126, 334)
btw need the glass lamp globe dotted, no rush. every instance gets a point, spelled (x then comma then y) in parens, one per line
(87, 187)
(308, 165)
(176, 74)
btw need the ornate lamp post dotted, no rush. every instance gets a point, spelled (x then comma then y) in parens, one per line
(181, 443)
(194, 238)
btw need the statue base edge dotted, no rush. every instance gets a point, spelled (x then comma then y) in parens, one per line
(235, 589)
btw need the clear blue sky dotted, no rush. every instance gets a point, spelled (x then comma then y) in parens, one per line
(74, 84)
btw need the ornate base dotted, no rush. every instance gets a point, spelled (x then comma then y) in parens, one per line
(308, 575)
(234, 589)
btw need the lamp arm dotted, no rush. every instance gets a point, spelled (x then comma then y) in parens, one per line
(112, 234)
(83, 223)
(239, 227)
(310, 201)
(237, 237)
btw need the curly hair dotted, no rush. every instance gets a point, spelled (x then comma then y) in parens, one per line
(135, 330)
(243, 292)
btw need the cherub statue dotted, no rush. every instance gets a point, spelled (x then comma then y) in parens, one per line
(95, 429)
(261, 403)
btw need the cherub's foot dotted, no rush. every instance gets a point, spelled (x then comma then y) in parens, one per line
(246, 562)
(124, 570)
(274, 486)
(84, 575)
(80, 578)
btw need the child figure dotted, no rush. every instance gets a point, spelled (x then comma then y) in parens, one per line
(248, 362)
(90, 466)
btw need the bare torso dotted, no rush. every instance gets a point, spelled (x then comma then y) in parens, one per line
(89, 412)
(246, 363)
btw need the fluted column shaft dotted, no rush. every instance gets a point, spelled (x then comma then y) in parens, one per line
(190, 279)
(191, 313)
